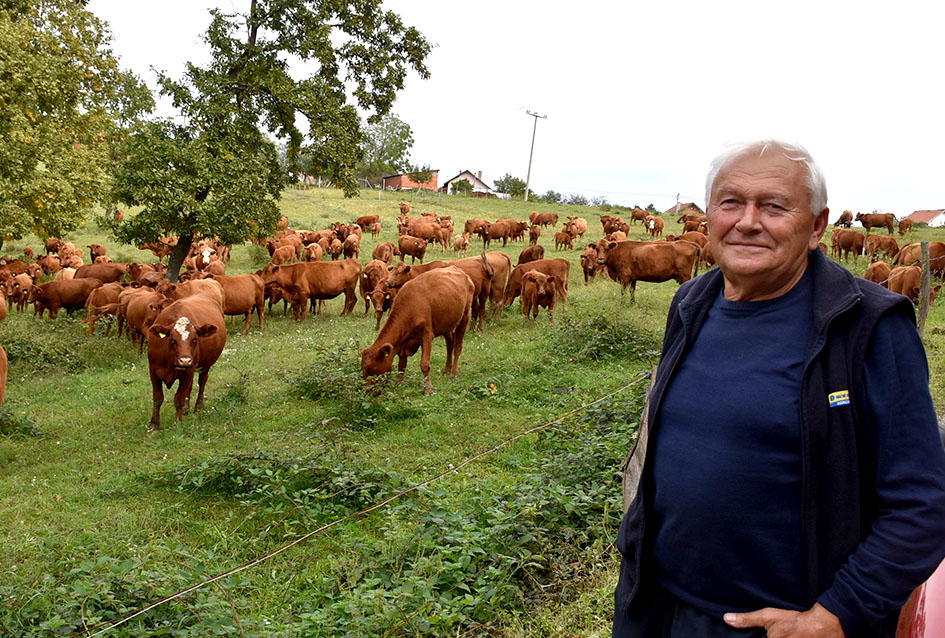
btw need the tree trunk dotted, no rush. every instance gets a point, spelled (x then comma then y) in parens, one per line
(178, 255)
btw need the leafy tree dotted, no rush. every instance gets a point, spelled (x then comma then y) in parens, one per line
(215, 170)
(63, 100)
(463, 186)
(552, 197)
(511, 185)
(386, 146)
(651, 209)
(420, 174)
(598, 200)
(576, 199)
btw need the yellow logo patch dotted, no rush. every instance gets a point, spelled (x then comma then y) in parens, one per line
(841, 397)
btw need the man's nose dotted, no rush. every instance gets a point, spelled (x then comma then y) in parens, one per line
(750, 219)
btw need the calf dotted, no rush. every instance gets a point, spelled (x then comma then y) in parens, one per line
(538, 289)
(375, 230)
(435, 303)
(534, 232)
(531, 253)
(461, 243)
(589, 265)
(654, 225)
(284, 255)
(560, 268)
(564, 239)
(188, 336)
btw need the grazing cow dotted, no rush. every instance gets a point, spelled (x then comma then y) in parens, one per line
(534, 232)
(243, 295)
(878, 272)
(30, 254)
(905, 225)
(106, 273)
(461, 243)
(364, 221)
(212, 289)
(881, 220)
(589, 264)
(564, 239)
(845, 220)
(52, 245)
(404, 208)
(693, 236)
(560, 268)
(531, 253)
(372, 276)
(385, 251)
(907, 280)
(424, 228)
(538, 290)
(632, 261)
(546, 219)
(413, 246)
(95, 251)
(654, 226)
(435, 303)
(352, 246)
(638, 214)
(106, 295)
(188, 336)
(307, 282)
(844, 241)
(911, 254)
(71, 295)
(49, 263)
(375, 230)
(875, 244)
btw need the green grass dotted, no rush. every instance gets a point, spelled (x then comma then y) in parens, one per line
(100, 518)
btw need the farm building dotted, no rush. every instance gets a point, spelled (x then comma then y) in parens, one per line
(404, 182)
(480, 188)
(934, 218)
(682, 209)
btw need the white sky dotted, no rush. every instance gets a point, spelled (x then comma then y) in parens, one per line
(640, 96)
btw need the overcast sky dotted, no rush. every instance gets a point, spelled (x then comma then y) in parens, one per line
(641, 95)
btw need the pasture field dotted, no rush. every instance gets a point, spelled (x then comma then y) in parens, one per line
(99, 519)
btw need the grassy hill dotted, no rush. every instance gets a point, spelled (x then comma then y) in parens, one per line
(100, 519)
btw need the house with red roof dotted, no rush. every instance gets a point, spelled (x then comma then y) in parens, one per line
(934, 218)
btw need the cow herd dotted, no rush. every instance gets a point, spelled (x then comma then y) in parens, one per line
(183, 325)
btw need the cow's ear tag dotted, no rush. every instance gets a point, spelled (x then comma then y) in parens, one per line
(162, 335)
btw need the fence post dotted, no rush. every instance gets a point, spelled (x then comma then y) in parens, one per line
(924, 293)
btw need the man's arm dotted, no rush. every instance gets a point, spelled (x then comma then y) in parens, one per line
(816, 622)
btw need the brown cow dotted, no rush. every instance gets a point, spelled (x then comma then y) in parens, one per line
(367, 220)
(107, 294)
(312, 281)
(473, 226)
(560, 268)
(905, 226)
(845, 220)
(64, 273)
(637, 214)
(911, 254)
(880, 244)
(461, 243)
(881, 220)
(189, 335)
(435, 303)
(106, 273)
(375, 230)
(212, 289)
(53, 244)
(385, 251)
(633, 261)
(589, 265)
(17, 290)
(538, 289)
(531, 253)
(695, 226)
(28, 252)
(404, 208)
(71, 295)
(413, 246)
(381, 299)
(95, 251)
(906, 280)
(314, 252)
(139, 311)
(494, 230)
(501, 265)
(844, 241)
(352, 246)
(534, 232)
(372, 276)
(335, 248)
(517, 229)
(49, 263)
(242, 295)
(547, 219)
(878, 272)
(655, 226)
(479, 269)
(564, 239)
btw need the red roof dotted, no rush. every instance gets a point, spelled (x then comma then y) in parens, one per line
(925, 215)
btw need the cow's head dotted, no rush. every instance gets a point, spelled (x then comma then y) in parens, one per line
(180, 339)
(376, 361)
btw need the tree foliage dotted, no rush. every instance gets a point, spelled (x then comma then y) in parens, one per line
(651, 209)
(386, 146)
(355, 56)
(552, 197)
(63, 100)
(576, 199)
(461, 187)
(511, 185)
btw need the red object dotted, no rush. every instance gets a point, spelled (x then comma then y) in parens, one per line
(923, 615)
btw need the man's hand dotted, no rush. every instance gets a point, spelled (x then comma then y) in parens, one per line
(816, 622)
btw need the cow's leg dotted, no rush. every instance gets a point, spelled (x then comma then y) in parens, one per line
(201, 384)
(633, 291)
(157, 398)
(401, 364)
(458, 336)
(260, 311)
(449, 353)
(248, 317)
(182, 397)
(426, 346)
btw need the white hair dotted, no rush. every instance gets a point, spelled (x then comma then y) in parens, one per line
(816, 183)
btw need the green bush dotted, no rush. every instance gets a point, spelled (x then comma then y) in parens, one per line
(16, 424)
(596, 337)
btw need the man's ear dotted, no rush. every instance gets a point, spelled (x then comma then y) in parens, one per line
(820, 227)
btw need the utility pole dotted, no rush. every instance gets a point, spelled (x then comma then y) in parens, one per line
(528, 177)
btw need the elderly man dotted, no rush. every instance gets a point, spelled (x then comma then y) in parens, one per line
(794, 481)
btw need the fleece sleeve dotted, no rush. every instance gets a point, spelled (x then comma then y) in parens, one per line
(907, 541)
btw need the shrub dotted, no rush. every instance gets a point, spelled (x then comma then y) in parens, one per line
(602, 337)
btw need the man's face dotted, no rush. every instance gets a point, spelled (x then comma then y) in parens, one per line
(760, 222)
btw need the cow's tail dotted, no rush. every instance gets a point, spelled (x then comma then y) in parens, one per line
(487, 268)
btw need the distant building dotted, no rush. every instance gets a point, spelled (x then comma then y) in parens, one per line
(480, 188)
(933, 218)
(404, 182)
(682, 209)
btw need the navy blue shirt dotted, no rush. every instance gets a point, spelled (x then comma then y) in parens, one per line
(726, 459)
